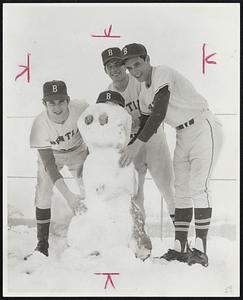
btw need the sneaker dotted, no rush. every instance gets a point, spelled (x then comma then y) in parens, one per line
(198, 257)
(172, 254)
(42, 250)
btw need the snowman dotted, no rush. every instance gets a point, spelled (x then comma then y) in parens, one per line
(107, 224)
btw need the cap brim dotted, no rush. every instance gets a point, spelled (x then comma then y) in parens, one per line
(113, 57)
(56, 97)
(132, 56)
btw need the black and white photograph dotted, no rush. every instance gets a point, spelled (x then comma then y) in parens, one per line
(121, 149)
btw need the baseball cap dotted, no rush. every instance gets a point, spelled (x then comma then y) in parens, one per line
(55, 89)
(111, 96)
(111, 53)
(133, 50)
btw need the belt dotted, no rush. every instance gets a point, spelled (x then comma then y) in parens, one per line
(184, 125)
(67, 150)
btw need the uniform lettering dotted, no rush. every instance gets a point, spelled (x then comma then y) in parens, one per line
(110, 52)
(133, 105)
(108, 96)
(54, 88)
(60, 139)
(129, 105)
(68, 135)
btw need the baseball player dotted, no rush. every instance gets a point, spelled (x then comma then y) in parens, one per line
(154, 156)
(167, 96)
(56, 137)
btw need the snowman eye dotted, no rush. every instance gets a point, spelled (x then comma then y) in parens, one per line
(103, 119)
(88, 119)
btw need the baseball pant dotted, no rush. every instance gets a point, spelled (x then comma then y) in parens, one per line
(196, 152)
(160, 166)
(155, 157)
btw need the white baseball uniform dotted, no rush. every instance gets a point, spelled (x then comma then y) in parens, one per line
(197, 145)
(67, 145)
(154, 155)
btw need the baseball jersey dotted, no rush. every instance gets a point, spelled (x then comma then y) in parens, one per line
(184, 103)
(131, 96)
(48, 134)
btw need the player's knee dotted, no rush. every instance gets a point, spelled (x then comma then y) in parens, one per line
(202, 202)
(43, 203)
(183, 202)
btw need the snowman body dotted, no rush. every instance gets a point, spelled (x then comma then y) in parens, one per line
(109, 188)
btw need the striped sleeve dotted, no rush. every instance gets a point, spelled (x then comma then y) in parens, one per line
(162, 78)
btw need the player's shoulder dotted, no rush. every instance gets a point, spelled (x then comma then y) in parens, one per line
(162, 74)
(161, 69)
(41, 119)
(39, 125)
(78, 105)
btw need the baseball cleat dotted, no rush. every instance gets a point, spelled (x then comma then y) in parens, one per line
(198, 257)
(172, 254)
(41, 250)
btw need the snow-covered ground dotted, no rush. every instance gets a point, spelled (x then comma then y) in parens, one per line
(65, 273)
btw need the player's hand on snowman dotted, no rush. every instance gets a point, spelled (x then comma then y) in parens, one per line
(82, 208)
(129, 153)
(76, 203)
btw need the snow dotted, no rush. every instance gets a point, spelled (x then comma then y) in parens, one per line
(67, 273)
(108, 188)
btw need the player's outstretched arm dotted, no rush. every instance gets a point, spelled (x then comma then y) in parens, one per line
(48, 160)
(161, 100)
(73, 200)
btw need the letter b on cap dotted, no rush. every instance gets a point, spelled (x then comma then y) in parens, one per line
(54, 88)
(110, 52)
(108, 96)
(125, 51)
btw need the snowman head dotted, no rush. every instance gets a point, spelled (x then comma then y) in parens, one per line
(101, 125)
